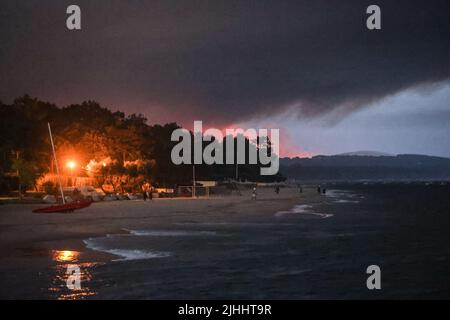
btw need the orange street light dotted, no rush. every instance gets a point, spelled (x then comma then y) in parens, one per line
(71, 165)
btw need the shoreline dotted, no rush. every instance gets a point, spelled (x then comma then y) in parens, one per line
(20, 228)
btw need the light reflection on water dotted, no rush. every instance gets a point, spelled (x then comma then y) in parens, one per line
(65, 255)
(58, 288)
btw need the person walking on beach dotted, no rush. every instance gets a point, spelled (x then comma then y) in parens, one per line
(319, 190)
(150, 194)
(277, 190)
(300, 189)
(144, 194)
(324, 191)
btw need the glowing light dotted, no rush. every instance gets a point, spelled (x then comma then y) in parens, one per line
(71, 165)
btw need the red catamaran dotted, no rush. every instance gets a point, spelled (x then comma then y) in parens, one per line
(67, 207)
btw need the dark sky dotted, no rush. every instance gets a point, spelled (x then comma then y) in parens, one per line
(227, 61)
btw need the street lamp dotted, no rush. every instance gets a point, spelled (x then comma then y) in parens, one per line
(71, 165)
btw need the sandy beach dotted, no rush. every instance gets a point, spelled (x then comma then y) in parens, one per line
(20, 228)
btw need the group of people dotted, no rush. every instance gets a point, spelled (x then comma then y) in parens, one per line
(277, 191)
(321, 190)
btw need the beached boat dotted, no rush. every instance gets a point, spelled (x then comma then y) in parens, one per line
(63, 208)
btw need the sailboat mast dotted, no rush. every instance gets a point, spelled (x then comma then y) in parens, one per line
(56, 163)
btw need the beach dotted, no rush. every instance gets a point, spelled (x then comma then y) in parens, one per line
(280, 246)
(22, 227)
(31, 240)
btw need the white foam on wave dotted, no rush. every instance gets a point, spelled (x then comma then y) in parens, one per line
(302, 209)
(346, 201)
(343, 196)
(171, 233)
(125, 254)
(233, 224)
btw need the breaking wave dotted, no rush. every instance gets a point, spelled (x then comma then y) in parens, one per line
(302, 209)
(125, 254)
(171, 233)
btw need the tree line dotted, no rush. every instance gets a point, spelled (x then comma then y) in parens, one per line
(136, 152)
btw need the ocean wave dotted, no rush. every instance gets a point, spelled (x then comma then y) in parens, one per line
(303, 209)
(125, 254)
(171, 233)
(345, 201)
(343, 196)
(234, 224)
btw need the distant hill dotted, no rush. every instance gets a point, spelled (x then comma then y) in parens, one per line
(358, 166)
(366, 154)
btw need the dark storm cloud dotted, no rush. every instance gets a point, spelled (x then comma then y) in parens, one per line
(222, 61)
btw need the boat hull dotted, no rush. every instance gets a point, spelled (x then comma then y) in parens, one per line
(63, 208)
